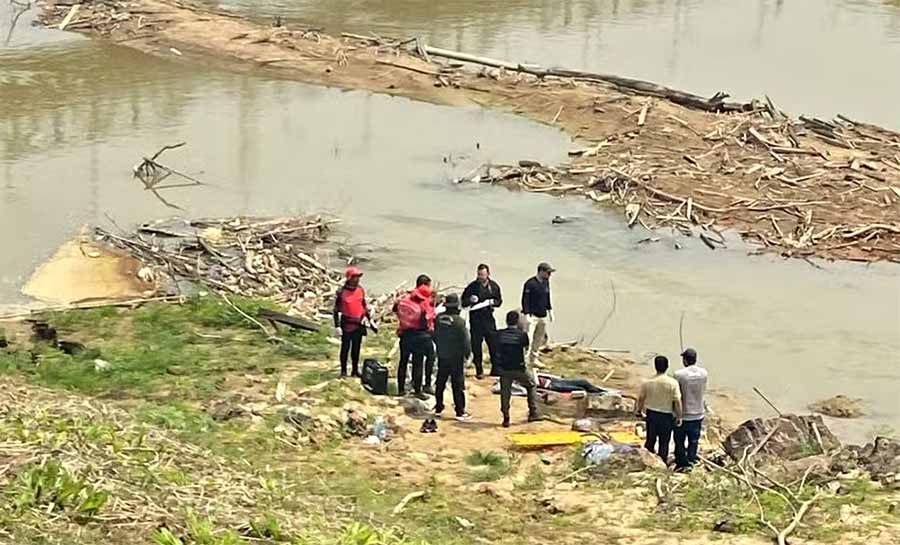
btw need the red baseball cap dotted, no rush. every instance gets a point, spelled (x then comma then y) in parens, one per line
(351, 272)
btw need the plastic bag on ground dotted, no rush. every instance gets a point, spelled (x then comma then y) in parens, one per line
(597, 452)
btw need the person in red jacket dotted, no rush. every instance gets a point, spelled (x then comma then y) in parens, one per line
(350, 309)
(416, 314)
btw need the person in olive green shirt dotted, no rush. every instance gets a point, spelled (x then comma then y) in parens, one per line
(453, 349)
(660, 399)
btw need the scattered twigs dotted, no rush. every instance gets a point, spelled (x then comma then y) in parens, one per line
(18, 9)
(612, 310)
(575, 473)
(252, 257)
(783, 535)
(764, 398)
(132, 302)
(749, 482)
(405, 501)
(152, 175)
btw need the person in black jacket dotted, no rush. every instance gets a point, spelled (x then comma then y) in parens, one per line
(483, 290)
(511, 345)
(537, 308)
(453, 349)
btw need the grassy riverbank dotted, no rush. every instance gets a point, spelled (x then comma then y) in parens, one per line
(184, 439)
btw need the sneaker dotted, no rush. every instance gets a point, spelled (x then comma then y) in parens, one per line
(432, 426)
(426, 426)
(480, 376)
(355, 374)
(464, 417)
(535, 418)
(420, 396)
(505, 421)
(343, 374)
(438, 411)
(428, 390)
(683, 469)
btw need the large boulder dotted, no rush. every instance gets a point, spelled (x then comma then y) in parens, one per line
(881, 458)
(795, 436)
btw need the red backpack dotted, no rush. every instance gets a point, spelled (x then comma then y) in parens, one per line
(410, 314)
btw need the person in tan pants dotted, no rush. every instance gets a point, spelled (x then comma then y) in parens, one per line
(538, 309)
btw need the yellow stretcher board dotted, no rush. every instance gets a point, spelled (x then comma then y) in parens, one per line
(550, 438)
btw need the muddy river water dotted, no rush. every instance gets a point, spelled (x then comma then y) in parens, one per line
(76, 114)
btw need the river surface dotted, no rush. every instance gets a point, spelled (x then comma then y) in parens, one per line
(75, 115)
(819, 57)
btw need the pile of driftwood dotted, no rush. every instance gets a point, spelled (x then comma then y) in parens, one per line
(802, 188)
(252, 257)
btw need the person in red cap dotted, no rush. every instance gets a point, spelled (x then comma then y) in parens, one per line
(350, 309)
(415, 316)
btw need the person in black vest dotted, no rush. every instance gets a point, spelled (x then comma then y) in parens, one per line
(484, 294)
(512, 343)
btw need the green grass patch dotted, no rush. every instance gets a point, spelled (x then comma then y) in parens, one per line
(488, 465)
(162, 350)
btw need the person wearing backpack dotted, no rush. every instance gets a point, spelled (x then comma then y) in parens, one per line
(350, 309)
(415, 315)
(453, 349)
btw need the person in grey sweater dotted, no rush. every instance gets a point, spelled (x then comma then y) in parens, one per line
(692, 381)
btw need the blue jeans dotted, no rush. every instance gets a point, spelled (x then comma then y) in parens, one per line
(689, 433)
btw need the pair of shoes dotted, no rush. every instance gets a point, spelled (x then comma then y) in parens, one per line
(535, 418)
(429, 426)
(505, 421)
(464, 417)
(428, 390)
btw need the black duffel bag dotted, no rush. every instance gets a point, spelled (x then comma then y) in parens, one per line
(375, 377)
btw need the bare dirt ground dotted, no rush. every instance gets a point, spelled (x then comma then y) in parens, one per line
(799, 187)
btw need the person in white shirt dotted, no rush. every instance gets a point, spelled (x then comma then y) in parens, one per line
(692, 382)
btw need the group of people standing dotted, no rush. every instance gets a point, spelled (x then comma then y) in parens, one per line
(430, 331)
(675, 406)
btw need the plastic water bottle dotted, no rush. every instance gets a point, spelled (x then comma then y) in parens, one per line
(380, 430)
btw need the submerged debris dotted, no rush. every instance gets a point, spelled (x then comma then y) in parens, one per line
(253, 257)
(839, 406)
(801, 188)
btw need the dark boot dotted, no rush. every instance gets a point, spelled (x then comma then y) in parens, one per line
(505, 420)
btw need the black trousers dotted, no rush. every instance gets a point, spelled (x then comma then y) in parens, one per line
(659, 428)
(350, 345)
(484, 330)
(416, 347)
(454, 370)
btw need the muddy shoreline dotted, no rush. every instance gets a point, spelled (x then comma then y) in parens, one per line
(797, 187)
